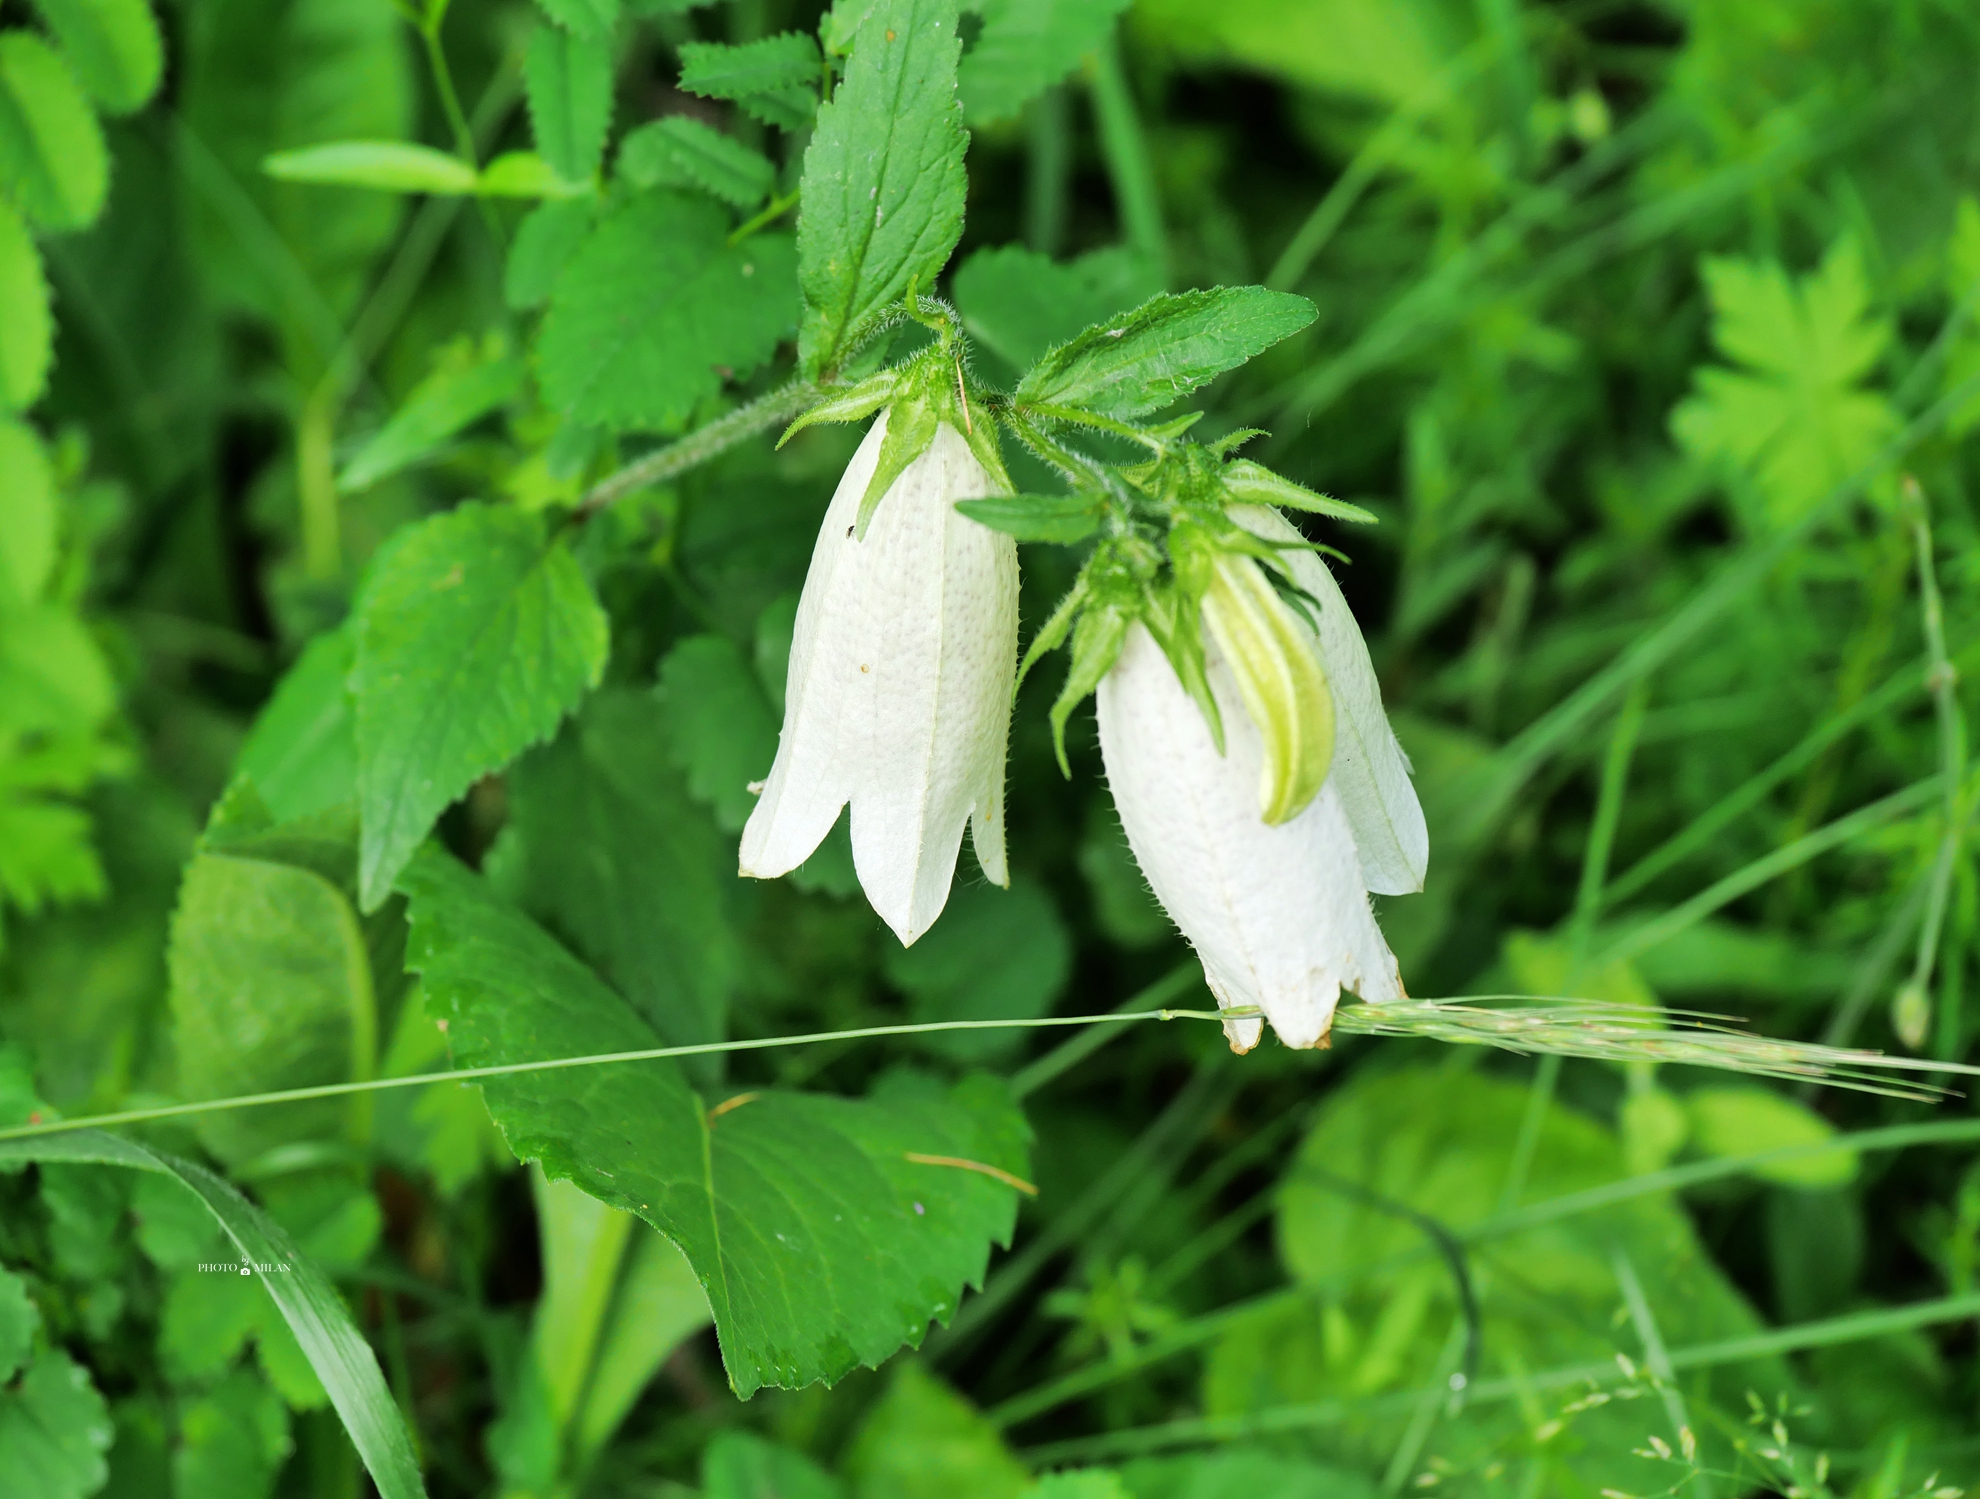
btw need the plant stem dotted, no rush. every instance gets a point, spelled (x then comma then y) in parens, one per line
(1048, 170)
(1124, 148)
(768, 410)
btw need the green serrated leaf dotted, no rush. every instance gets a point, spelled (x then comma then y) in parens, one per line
(722, 732)
(605, 848)
(1064, 518)
(883, 177)
(53, 676)
(312, 1307)
(113, 45)
(451, 398)
(52, 161)
(658, 309)
(301, 753)
(1025, 47)
(387, 166)
(27, 515)
(775, 78)
(1164, 349)
(475, 637)
(679, 151)
(775, 1191)
(1019, 303)
(544, 244)
(583, 17)
(567, 81)
(54, 1430)
(27, 329)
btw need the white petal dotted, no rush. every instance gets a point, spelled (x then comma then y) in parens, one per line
(1278, 915)
(1370, 770)
(899, 689)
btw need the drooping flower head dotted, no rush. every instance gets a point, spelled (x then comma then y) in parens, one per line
(1241, 725)
(898, 693)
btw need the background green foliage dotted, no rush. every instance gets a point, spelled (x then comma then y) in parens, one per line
(380, 690)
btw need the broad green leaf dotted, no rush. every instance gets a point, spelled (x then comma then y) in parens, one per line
(1019, 303)
(1079, 1483)
(113, 45)
(922, 1440)
(27, 515)
(301, 753)
(583, 1245)
(445, 1132)
(1745, 1119)
(1795, 417)
(309, 1303)
(994, 955)
(658, 309)
(822, 1243)
(604, 847)
(738, 1464)
(54, 1430)
(1368, 49)
(679, 151)
(389, 166)
(456, 395)
(1242, 1473)
(775, 78)
(544, 244)
(271, 989)
(583, 17)
(27, 329)
(723, 732)
(46, 856)
(1063, 518)
(53, 677)
(567, 81)
(52, 161)
(1163, 350)
(1025, 47)
(474, 638)
(883, 177)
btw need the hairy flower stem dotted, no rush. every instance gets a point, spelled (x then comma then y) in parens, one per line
(771, 409)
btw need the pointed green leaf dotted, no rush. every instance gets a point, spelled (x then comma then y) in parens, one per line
(388, 166)
(820, 1240)
(301, 753)
(27, 329)
(1163, 350)
(316, 1314)
(567, 80)
(883, 177)
(52, 161)
(524, 174)
(775, 78)
(658, 309)
(475, 637)
(1064, 518)
(453, 397)
(583, 17)
(682, 152)
(113, 45)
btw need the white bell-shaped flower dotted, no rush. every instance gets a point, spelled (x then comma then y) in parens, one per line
(1278, 914)
(898, 697)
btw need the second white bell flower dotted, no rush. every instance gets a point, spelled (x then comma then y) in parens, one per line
(898, 695)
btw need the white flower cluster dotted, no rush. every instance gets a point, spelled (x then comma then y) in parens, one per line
(1263, 851)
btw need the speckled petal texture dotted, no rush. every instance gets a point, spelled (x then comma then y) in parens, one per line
(899, 691)
(1279, 916)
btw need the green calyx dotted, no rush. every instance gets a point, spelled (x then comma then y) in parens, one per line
(929, 387)
(1173, 557)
